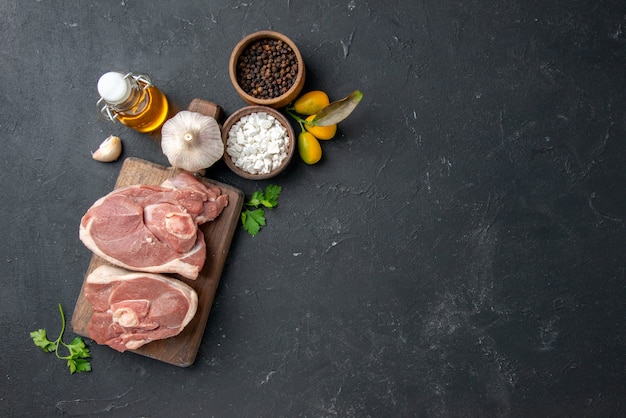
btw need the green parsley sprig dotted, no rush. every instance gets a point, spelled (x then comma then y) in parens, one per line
(254, 219)
(78, 352)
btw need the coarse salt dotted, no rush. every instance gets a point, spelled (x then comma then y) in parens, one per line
(257, 143)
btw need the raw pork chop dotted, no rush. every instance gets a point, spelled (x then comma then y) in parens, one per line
(154, 228)
(132, 309)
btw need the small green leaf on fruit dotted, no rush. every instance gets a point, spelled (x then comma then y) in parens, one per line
(337, 111)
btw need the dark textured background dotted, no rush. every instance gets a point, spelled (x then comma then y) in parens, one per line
(460, 250)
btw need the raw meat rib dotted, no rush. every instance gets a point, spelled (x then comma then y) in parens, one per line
(154, 228)
(132, 309)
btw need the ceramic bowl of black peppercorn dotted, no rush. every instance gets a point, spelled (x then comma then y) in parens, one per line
(267, 69)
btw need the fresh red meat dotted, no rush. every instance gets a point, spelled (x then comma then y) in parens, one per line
(154, 228)
(131, 309)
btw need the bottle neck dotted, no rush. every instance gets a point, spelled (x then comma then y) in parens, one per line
(136, 101)
(135, 89)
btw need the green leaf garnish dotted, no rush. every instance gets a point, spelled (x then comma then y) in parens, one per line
(78, 352)
(253, 219)
(271, 195)
(41, 340)
(256, 198)
(337, 111)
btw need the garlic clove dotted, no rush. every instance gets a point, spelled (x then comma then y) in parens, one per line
(109, 151)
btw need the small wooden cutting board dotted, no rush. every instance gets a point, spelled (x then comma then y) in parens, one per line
(182, 349)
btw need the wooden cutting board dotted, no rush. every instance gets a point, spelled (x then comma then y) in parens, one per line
(182, 349)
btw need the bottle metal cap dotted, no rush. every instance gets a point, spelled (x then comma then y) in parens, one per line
(114, 87)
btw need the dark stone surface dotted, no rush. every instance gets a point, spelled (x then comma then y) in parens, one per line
(459, 251)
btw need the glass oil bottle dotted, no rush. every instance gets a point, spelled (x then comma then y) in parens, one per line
(132, 100)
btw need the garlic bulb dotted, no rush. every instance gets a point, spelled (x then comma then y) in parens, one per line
(192, 141)
(110, 150)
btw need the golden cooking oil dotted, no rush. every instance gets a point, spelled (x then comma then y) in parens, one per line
(133, 101)
(147, 113)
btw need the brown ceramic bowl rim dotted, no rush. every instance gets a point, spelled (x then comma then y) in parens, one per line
(244, 111)
(234, 58)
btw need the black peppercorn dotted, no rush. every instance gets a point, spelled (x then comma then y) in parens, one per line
(267, 68)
